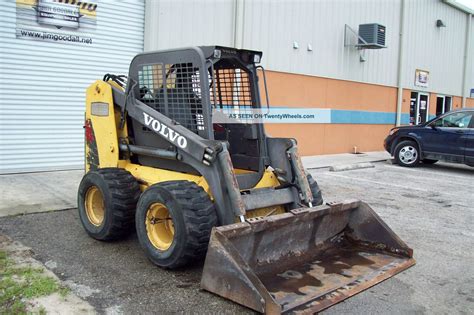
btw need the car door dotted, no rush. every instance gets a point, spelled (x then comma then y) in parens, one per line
(447, 137)
(469, 151)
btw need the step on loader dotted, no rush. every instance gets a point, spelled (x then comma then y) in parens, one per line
(227, 192)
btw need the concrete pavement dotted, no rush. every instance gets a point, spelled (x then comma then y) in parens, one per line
(429, 207)
(38, 192)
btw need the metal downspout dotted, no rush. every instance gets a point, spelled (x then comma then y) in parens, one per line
(239, 11)
(466, 59)
(400, 65)
(150, 41)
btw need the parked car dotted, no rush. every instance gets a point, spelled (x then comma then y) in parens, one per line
(448, 137)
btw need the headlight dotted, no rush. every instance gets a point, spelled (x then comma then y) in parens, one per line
(394, 130)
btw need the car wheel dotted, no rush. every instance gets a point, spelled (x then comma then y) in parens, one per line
(407, 153)
(429, 161)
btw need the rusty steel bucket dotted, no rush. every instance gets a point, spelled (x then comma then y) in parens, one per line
(305, 260)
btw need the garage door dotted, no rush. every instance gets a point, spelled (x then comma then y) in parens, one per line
(51, 50)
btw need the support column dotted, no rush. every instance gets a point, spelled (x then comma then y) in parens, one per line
(468, 60)
(400, 65)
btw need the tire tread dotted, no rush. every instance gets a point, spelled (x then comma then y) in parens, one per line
(199, 218)
(124, 192)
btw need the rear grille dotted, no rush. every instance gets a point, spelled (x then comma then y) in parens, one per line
(233, 88)
(233, 92)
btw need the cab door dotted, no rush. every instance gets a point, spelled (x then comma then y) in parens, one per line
(448, 137)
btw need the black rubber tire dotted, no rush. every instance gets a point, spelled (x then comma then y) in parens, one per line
(120, 192)
(193, 215)
(315, 190)
(400, 146)
(429, 161)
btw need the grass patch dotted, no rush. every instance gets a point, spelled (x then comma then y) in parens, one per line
(18, 284)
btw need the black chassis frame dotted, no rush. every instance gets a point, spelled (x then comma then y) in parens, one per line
(210, 157)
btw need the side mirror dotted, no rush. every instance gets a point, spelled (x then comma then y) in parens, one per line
(433, 127)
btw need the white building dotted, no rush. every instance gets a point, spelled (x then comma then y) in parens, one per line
(308, 49)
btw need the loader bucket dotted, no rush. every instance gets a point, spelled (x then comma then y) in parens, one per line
(305, 260)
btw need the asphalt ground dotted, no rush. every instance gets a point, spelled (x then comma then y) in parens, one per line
(429, 207)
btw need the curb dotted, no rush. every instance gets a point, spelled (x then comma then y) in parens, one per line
(313, 167)
(391, 161)
(350, 167)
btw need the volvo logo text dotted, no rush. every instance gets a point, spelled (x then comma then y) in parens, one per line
(165, 131)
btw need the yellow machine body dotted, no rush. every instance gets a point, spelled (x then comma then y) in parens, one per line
(102, 148)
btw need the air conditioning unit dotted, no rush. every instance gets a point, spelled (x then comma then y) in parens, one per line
(373, 34)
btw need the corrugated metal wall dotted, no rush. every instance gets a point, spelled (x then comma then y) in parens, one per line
(439, 50)
(181, 23)
(273, 26)
(42, 86)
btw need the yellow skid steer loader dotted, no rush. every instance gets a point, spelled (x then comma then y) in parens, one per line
(192, 188)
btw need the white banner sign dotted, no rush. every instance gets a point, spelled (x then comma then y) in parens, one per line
(62, 21)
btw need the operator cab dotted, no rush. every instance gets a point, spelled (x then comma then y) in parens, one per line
(186, 86)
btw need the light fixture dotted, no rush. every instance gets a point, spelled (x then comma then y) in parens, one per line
(440, 23)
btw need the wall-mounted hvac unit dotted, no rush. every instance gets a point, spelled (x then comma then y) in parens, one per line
(371, 36)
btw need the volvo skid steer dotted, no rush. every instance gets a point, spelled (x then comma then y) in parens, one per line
(194, 189)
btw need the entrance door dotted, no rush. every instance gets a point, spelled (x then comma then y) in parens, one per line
(419, 108)
(443, 104)
(423, 106)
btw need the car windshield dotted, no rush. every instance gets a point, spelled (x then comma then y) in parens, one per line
(454, 120)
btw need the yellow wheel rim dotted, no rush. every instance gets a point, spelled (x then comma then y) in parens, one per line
(159, 226)
(94, 204)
